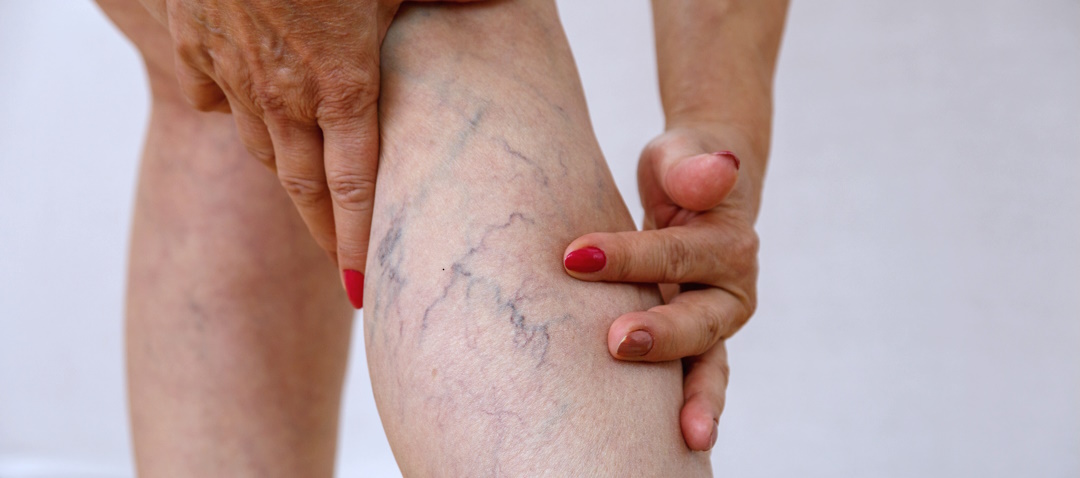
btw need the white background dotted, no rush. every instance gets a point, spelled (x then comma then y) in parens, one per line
(920, 284)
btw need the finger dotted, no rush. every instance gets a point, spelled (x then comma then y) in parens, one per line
(703, 253)
(350, 129)
(690, 325)
(254, 135)
(299, 155)
(199, 89)
(704, 394)
(692, 178)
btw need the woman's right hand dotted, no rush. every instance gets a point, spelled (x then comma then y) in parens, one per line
(301, 79)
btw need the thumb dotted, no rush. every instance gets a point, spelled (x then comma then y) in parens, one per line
(692, 179)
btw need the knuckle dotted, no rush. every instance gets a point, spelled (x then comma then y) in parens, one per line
(678, 259)
(741, 260)
(708, 332)
(352, 191)
(267, 96)
(342, 99)
(305, 192)
(748, 244)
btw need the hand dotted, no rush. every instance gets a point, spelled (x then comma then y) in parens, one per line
(699, 233)
(301, 79)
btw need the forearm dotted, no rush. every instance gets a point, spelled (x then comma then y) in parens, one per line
(716, 62)
(486, 358)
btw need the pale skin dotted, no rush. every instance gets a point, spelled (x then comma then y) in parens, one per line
(486, 358)
(202, 387)
(237, 330)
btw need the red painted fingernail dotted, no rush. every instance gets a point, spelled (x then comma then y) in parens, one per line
(586, 259)
(636, 344)
(729, 154)
(354, 287)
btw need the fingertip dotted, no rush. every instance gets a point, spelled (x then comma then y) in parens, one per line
(586, 256)
(630, 338)
(354, 287)
(701, 182)
(636, 344)
(585, 260)
(699, 427)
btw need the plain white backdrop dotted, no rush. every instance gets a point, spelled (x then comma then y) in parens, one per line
(920, 281)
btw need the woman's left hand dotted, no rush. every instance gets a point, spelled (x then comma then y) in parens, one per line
(699, 244)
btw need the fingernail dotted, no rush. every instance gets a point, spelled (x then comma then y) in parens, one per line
(586, 259)
(635, 344)
(712, 440)
(729, 155)
(354, 287)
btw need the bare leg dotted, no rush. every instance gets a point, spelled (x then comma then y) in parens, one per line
(237, 329)
(486, 358)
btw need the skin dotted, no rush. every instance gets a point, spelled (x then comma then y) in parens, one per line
(209, 219)
(716, 62)
(486, 358)
(301, 79)
(237, 332)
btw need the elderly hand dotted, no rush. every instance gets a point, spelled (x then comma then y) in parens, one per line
(698, 234)
(301, 79)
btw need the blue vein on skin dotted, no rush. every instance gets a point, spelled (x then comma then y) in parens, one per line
(459, 271)
(389, 254)
(531, 336)
(537, 169)
(391, 280)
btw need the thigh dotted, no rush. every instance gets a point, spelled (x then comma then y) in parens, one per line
(486, 358)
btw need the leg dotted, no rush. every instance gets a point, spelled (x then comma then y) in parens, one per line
(486, 358)
(237, 329)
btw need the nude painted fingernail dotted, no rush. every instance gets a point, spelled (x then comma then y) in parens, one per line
(636, 344)
(712, 439)
(729, 155)
(354, 287)
(586, 259)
